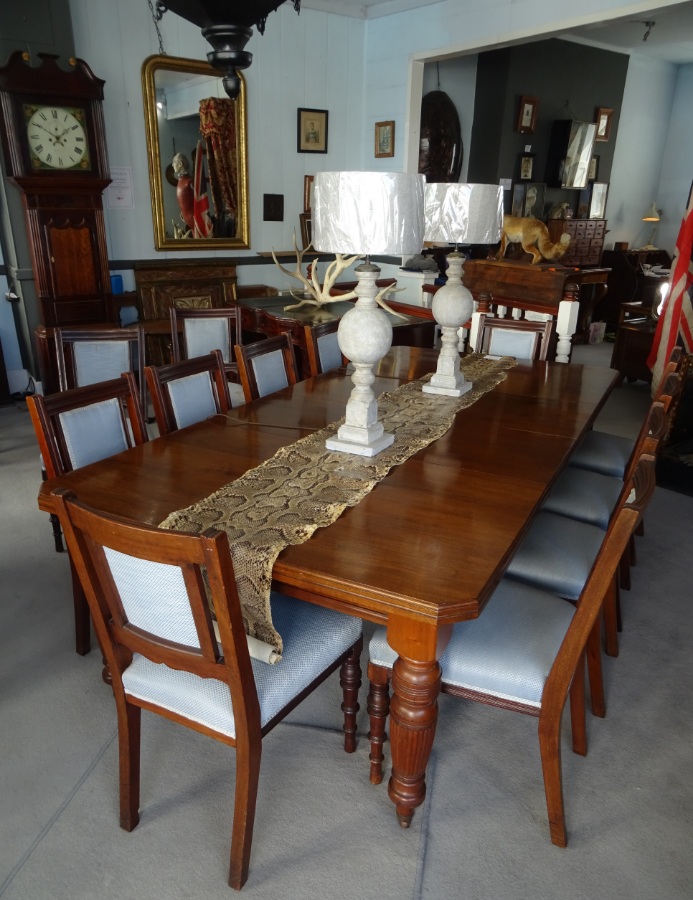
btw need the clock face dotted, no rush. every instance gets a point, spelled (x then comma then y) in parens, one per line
(57, 137)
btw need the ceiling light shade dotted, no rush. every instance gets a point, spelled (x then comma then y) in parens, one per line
(457, 214)
(228, 28)
(364, 213)
(652, 214)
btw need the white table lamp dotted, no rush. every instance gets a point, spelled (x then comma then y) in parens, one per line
(458, 214)
(364, 213)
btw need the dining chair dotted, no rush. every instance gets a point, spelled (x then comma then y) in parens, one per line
(80, 426)
(196, 332)
(602, 451)
(558, 550)
(525, 653)
(322, 347)
(188, 391)
(521, 338)
(148, 592)
(88, 355)
(266, 366)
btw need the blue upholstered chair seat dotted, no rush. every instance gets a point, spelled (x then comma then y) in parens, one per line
(602, 452)
(556, 554)
(313, 638)
(507, 652)
(584, 495)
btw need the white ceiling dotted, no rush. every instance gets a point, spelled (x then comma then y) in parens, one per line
(670, 39)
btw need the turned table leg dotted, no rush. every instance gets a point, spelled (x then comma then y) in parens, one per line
(413, 718)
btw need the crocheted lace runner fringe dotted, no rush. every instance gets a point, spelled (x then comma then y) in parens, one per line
(304, 486)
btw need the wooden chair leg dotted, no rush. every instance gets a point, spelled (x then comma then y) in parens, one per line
(550, 749)
(610, 609)
(129, 728)
(248, 757)
(57, 533)
(593, 651)
(82, 615)
(632, 551)
(624, 570)
(577, 708)
(378, 707)
(350, 681)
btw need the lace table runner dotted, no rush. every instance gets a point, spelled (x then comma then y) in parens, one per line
(304, 486)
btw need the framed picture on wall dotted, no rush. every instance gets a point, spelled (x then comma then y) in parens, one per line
(384, 139)
(600, 190)
(526, 166)
(312, 131)
(528, 199)
(308, 192)
(527, 115)
(306, 221)
(593, 171)
(603, 117)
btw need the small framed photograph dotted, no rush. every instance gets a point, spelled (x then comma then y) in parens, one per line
(603, 117)
(526, 166)
(308, 192)
(593, 169)
(384, 139)
(600, 190)
(527, 115)
(306, 220)
(312, 131)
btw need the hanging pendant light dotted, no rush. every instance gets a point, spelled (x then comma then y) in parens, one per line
(228, 28)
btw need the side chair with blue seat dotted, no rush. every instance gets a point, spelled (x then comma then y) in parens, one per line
(524, 653)
(188, 391)
(82, 426)
(148, 592)
(266, 366)
(322, 347)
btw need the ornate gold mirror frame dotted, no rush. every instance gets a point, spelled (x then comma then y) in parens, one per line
(197, 151)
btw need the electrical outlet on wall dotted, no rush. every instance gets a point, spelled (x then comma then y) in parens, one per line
(273, 207)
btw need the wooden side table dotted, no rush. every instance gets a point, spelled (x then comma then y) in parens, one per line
(632, 347)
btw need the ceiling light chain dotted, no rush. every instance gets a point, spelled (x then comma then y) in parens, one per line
(156, 18)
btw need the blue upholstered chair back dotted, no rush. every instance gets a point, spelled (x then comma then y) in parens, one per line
(96, 361)
(329, 352)
(203, 335)
(93, 432)
(192, 399)
(270, 372)
(520, 344)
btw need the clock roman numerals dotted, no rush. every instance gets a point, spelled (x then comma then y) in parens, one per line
(56, 137)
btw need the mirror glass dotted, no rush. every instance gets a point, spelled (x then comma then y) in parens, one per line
(197, 149)
(579, 155)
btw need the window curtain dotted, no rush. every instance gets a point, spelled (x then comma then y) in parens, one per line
(218, 128)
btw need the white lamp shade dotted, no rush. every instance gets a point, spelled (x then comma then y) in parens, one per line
(366, 213)
(652, 214)
(463, 213)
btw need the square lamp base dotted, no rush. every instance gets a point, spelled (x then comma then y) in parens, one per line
(452, 389)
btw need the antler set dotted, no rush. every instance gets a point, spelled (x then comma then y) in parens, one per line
(320, 295)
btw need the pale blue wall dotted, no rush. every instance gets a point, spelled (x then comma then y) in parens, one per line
(677, 160)
(362, 72)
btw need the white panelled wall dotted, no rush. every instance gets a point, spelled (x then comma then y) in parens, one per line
(364, 71)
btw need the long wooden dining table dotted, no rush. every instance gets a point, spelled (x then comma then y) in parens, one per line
(424, 550)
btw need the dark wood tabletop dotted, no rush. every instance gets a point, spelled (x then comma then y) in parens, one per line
(424, 549)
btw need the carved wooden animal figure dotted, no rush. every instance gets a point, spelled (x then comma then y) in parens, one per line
(534, 237)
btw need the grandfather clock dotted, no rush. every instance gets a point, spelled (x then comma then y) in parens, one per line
(52, 130)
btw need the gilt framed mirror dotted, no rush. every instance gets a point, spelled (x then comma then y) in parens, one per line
(197, 152)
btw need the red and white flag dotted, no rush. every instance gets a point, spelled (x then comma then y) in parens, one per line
(675, 323)
(202, 222)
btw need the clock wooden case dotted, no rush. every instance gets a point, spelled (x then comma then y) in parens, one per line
(52, 131)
